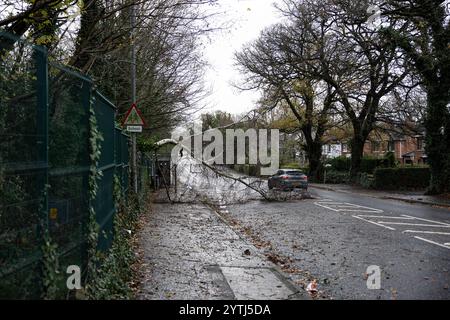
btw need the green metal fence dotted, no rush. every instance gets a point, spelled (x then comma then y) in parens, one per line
(45, 164)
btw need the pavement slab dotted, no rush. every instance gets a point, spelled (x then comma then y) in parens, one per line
(189, 252)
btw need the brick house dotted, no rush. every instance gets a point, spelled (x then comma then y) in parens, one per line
(408, 149)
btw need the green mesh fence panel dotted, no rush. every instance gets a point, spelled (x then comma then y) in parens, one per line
(23, 164)
(104, 204)
(44, 141)
(68, 163)
(124, 140)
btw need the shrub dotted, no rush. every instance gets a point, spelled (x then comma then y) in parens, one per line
(368, 164)
(340, 164)
(402, 178)
(336, 177)
(391, 162)
(365, 180)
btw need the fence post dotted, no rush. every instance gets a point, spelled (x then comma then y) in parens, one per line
(87, 92)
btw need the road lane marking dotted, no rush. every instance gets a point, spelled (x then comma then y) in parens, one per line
(323, 206)
(380, 225)
(413, 224)
(432, 242)
(386, 217)
(346, 207)
(426, 220)
(357, 210)
(428, 232)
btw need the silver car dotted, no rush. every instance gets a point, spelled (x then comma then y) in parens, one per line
(288, 179)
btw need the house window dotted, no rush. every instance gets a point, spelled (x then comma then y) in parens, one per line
(391, 146)
(420, 143)
(344, 147)
(375, 146)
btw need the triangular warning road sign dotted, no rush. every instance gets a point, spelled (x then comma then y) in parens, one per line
(133, 117)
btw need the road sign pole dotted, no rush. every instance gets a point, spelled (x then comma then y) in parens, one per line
(134, 160)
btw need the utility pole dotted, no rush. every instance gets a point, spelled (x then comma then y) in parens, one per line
(133, 96)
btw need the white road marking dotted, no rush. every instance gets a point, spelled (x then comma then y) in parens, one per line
(427, 232)
(413, 224)
(429, 241)
(323, 206)
(369, 208)
(426, 220)
(380, 225)
(358, 210)
(333, 203)
(346, 207)
(386, 217)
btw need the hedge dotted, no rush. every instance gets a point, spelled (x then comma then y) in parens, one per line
(368, 164)
(401, 178)
(340, 163)
(336, 177)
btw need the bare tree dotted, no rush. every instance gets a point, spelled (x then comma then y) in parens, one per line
(310, 100)
(331, 41)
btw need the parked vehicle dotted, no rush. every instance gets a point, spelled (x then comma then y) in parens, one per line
(288, 179)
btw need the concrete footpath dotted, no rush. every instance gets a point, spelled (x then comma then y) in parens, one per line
(406, 196)
(189, 252)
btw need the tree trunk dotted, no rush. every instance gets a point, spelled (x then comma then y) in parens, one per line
(437, 125)
(357, 146)
(314, 153)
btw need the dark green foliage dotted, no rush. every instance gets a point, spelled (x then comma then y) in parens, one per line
(336, 177)
(401, 178)
(113, 271)
(391, 162)
(427, 47)
(368, 164)
(43, 234)
(365, 180)
(340, 163)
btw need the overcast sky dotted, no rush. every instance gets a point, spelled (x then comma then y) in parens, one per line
(249, 18)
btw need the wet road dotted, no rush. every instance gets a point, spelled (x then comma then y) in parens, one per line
(336, 237)
(332, 238)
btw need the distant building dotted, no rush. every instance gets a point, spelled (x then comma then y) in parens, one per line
(408, 148)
